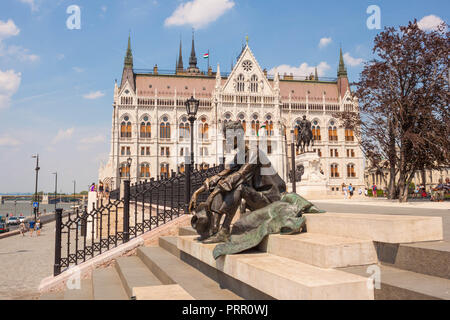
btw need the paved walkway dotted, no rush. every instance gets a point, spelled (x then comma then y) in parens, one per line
(24, 262)
(412, 204)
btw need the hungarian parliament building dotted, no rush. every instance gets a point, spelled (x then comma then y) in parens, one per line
(150, 125)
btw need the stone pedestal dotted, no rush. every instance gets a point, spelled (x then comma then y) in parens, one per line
(313, 184)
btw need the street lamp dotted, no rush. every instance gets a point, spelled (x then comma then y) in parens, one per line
(74, 185)
(56, 187)
(191, 109)
(129, 160)
(36, 199)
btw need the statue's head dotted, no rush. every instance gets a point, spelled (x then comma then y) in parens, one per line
(304, 117)
(201, 221)
(236, 128)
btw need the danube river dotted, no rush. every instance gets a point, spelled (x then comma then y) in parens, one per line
(26, 208)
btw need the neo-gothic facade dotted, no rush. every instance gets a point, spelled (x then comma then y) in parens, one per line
(150, 125)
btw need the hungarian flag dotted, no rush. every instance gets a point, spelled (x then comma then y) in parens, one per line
(206, 55)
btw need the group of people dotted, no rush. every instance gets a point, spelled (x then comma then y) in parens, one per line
(32, 227)
(349, 190)
(438, 193)
(102, 191)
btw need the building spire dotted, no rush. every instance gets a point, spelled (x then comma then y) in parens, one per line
(180, 66)
(193, 58)
(342, 71)
(129, 55)
(316, 76)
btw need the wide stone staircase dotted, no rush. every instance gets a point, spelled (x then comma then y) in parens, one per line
(338, 258)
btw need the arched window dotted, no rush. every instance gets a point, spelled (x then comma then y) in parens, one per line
(123, 129)
(128, 129)
(351, 171)
(334, 172)
(316, 131)
(164, 128)
(269, 125)
(145, 170)
(241, 119)
(349, 135)
(184, 129)
(181, 168)
(164, 169)
(255, 125)
(332, 132)
(240, 85)
(203, 129)
(254, 83)
(124, 170)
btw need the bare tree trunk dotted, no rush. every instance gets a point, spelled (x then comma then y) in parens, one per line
(424, 177)
(392, 163)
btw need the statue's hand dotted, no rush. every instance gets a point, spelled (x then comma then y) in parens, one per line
(193, 202)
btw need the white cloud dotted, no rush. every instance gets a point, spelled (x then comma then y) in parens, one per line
(32, 4)
(93, 140)
(104, 8)
(353, 62)
(199, 13)
(17, 52)
(78, 69)
(430, 23)
(9, 84)
(303, 70)
(60, 56)
(8, 141)
(63, 135)
(94, 95)
(324, 42)
(8, 29)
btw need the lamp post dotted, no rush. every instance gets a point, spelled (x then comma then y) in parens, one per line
(56, 186)
(36, 199)
(129, 161)
(74, 185)
(191, 109)
(294, 181)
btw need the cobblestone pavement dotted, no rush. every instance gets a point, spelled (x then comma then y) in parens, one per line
(24, 262)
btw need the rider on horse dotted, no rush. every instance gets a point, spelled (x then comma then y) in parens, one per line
(305, 136)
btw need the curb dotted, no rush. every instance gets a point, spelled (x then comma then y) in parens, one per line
(9, 234)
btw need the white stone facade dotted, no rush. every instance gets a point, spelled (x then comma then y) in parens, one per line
(246, 94)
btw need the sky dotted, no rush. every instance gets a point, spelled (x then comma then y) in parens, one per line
(57, 72)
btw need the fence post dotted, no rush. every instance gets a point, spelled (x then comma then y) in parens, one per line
(57, 266)
(126, 211)
(187, 188)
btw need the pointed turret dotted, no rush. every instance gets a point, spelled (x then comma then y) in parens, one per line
(218, 77)
(128, 74)
(193, 58)
(342, 82)
(342, 70)
(180, 67)
(316, 75)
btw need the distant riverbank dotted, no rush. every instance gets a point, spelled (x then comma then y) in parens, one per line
(26, 208)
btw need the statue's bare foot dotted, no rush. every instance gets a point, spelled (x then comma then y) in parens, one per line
(221, 236)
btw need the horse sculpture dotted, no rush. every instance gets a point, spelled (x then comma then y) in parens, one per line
(305, 137)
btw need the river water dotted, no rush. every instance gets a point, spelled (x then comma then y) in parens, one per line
(26, 208)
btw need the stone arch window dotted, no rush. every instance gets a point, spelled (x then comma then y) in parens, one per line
(254, 83)
(146, 128)
(351, 171)
(334, 170)
(269, 125)
(184, 128)
(203, 128)
(164, 128)
(164, 169)
(125, 127)
(332, 131)
(255, 124)
(124, 170)
(349, 135)
(316, 130)
(240, 85)
(241, 119)
(145, 170)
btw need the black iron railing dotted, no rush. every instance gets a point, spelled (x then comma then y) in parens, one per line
(84, 234)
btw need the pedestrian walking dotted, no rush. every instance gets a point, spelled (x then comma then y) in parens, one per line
(350, 190)
(32, 224)
(345, 189)
(374, 190)
(360, 191)
(22, 229)
(38, 228)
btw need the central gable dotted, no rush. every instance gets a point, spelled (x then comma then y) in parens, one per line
(246, 73)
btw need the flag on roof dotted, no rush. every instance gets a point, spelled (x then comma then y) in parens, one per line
(206, 55)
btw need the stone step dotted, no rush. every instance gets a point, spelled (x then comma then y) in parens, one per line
(187, 231)
(164, 292)
(169, 243)
(106, 285)
(171, 270)
(431, 258)
(279, 277)
(134, 273)
(83, 293)
(380, 228)
(52, 296)
(321, 250)
(397, 284)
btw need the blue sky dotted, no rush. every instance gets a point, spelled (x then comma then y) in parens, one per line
(56, 84)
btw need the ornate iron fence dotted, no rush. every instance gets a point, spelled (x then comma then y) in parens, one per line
(84, 234)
